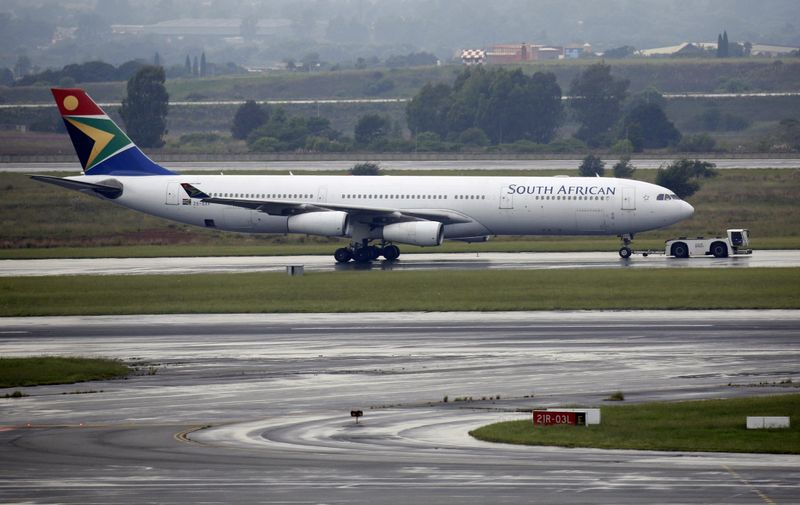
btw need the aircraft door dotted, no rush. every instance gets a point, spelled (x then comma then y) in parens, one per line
(506, 198)
(173, 193)
(628, 198)
(322, 194)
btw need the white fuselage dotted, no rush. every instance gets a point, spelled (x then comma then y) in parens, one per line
(494, 205)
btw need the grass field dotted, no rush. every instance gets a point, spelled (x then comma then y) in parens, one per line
(38, 220)
(703, 426)
(354, 291)
(41, 370)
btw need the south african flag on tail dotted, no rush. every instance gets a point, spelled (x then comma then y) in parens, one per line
(102, 147)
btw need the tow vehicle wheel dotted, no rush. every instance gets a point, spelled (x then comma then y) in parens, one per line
(680, 250)
(391, 252)
(362, 255)
(625, 252)
(342, 255)
(719, 250)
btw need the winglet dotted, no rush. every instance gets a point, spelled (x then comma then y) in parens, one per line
(192, 191)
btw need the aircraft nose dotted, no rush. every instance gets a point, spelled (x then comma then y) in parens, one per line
(686, 210)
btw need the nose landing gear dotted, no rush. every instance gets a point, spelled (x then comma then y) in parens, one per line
(625, 251)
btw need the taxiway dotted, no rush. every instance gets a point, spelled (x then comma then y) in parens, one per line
(424, 261)
(255, 408)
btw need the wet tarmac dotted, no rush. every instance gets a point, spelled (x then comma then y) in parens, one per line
(426, 261)
(256, 408)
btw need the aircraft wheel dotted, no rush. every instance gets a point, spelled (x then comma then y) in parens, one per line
(374, 252)
(362, 255)
(342, 255)
(625, 252)
(391, 252)
(680, 250)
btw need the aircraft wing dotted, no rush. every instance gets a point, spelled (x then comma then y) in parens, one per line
(363, 213)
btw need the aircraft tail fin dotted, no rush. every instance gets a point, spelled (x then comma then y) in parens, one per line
(102, 147)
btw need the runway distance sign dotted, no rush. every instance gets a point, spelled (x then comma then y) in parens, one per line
(553, 417)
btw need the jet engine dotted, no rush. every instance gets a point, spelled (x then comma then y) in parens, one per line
(422, 233)
(329, 224)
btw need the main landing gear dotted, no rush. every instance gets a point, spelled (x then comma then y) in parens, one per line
(625, 251)
(364, 253)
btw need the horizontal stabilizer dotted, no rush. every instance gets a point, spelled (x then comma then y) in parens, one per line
(110, 188)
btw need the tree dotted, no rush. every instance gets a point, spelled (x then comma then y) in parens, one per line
(203, 65)
(144, 109)
(646, 126)
(624, 169)
(248, 117)
(372, 127)
(427, 110)
(592, 166)
(188, 65)
(157, 59)
(597, 102)
(682, 176)
(195, 67)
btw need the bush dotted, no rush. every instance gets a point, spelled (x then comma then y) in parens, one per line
(429, 141)
(267, 145)
(622, 146)
(700, 143)
(592, 166)
(367, 168)
(623, 169)
(473, 137)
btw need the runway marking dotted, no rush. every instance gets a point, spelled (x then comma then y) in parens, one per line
(183, 436)
(766, 499)
(501, 327)
(13, 332)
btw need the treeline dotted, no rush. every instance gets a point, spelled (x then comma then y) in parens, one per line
(91, 71)
(499, 106)
(496, 109)
(99, 71)
(495, 106)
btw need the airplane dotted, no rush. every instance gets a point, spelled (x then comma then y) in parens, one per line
(375, 213)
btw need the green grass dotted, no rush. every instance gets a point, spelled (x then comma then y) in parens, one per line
(704, 426)
(376, 291)
(41, 370)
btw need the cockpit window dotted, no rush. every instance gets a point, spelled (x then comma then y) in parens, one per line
(670, 196)
(661, 196)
